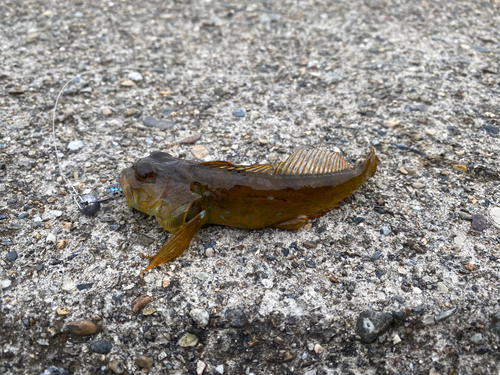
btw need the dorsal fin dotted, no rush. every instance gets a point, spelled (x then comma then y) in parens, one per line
(300, 162)
(306, 161)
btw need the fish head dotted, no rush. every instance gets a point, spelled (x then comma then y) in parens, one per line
(157, 186)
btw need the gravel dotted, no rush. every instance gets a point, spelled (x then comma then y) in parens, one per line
(418, 81)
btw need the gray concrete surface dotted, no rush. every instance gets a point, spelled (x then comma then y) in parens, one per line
(419, 81)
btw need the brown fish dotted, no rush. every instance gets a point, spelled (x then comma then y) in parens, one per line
(185, 195)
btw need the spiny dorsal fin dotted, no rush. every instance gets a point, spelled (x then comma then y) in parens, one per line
(306, 161)
(300, 162)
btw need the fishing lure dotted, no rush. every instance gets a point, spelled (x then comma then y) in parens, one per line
(185, 195)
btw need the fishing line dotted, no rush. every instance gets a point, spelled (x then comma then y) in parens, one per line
(87, 204)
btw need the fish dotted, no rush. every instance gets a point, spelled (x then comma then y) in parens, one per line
(184, 195)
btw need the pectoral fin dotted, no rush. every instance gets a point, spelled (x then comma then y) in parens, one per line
(178, 242)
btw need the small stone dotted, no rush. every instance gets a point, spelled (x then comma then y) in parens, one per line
(200, 367)
(53, 370)
(82, 328)
(4, 284)
(460, 167)
(236, 317)
(376, 255)
(220, 369)
(446, 314)
(107, 112)
(262, 142)
(188, 340)
(131, 112)
(418, 185)
(152, 122)
(254, 115)
(165, 283)
(442, 288)
(128, 83)
(101, 346)
(479, 222)
(311, 372)
(11, 256)
(63, 311)
(209, 252)
(371, 324)
(144, 362)
(51, 238)
(116, 367)
(135, 76)
(140, 302)
(16, 91)
(203, 276)
(385, 230)
(318, 349)
(470, 267)
(75, 145)
(190, 140)
(495, 216)
(199, 151)
(465, 216)
(239, 112)
(429, 320)
(459, 240)
(62, 244)
(476, 338)
(200, 317)
(396, 339)
(495, 322)
(422, 120)
(403, 171)
(309, 245)
(148, 311)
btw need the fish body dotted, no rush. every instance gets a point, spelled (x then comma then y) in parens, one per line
(185, 195)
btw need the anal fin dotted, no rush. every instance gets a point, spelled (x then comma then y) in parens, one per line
(178, 242)
(292, 224)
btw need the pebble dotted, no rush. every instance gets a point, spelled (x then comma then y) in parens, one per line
(254, 115)
(309, 245)
(107, 112)
(318, 349)
(11, 256)
(131, 112)
(220, 369)
(396, 339)
(16, 91)
(140, 302)
(53, 370)
(82, 328)
(199, 151)
(4, 284)
(442, 287)
(200, 367)
(51, 238)
(203, 276)
(495, 322)
(200, 317)
(418, 185)
(188, 340)
(101, 346)
(144, 362)
(63, 311)
(311, 372)
(459, 240)
(376, 255)
(128, 83)
(446, 314)
(476, 338)
(460, 167)
(479, 222)
(239, 112)
(209, 252)
(385, 230)
(116, 367)
(371, 324)
(465, 216)
(495, 216)
(75, 145)
(135, 76)
(152, 122)
(148, 311)
(190, 140)
(237, 318)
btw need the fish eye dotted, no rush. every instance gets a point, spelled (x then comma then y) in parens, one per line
(145, 172)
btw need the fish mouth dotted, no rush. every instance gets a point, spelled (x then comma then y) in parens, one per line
(130, 195)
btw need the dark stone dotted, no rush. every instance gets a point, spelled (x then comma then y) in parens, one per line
(239, 112)
(285, 252)
(101, 346)
(2, 217)
(310, 264)
(114, 227)
(39, 267)
(142, 239)
(398, 315)
(379, 273)
(209, 244)
(295, 264)
(358, 220)
(168, 111)
(495, 322)
(420, 309)
(371, 324)
(493, 130)
(376, 255)
(53, 370)
(478, 222)
(236, 318)
(399, 299)
(11, 256)
(84, 286)
(481, 49)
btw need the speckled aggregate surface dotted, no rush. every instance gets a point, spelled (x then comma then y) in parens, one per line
(418, 81)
